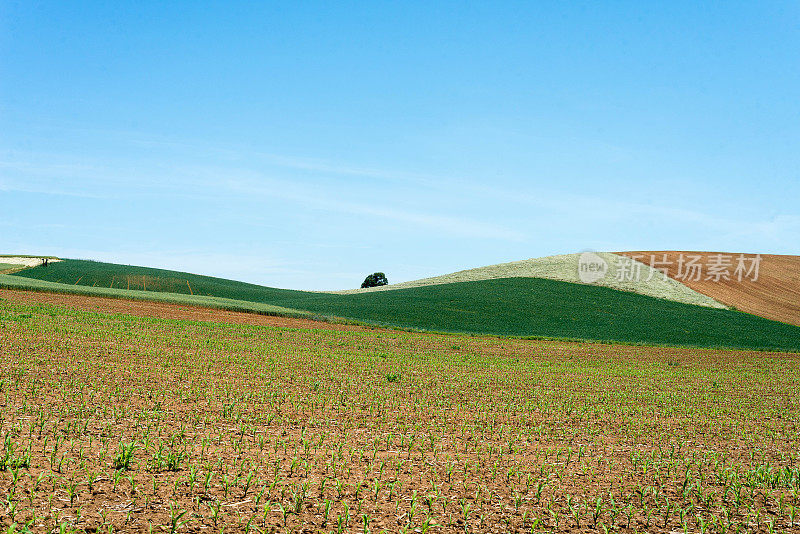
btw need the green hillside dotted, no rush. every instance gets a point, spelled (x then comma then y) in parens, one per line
(507, 306)
(112, 275)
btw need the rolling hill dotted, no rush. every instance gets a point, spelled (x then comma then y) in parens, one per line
(515, 306)
(564, 268)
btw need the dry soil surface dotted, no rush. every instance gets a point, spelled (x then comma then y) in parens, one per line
(160, 310)
(774, 295)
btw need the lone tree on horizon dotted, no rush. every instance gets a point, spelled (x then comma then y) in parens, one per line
(375, 280)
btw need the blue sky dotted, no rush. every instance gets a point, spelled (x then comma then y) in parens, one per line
(308, 144)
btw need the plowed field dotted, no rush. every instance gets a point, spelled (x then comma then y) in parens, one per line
(113, 422)
(774, 295)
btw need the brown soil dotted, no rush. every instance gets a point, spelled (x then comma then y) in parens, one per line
(774, 295)
(162, 310)
(319, 428)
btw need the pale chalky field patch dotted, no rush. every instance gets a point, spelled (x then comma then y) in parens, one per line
(564, 267)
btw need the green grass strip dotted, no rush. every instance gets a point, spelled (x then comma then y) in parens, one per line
(29, 284)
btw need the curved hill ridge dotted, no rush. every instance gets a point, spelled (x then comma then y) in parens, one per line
(775, 294)
(507, 306)
(564, 268)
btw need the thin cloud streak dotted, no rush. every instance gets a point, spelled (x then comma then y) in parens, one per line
(180, 181)
(8, 187)
(456, 226)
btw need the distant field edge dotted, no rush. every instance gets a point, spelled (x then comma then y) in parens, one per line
(688, 346)
(561, 339)
(219, 303)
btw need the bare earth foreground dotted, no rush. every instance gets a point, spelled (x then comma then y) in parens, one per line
(144, 417)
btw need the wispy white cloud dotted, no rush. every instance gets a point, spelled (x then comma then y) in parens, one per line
(20, 186)
(238, 154)
(704, 224)
(243, 174)
(453, 226)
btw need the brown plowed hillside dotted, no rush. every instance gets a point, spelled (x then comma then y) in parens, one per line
(775, 294)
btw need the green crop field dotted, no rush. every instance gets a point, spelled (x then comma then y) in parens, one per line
(128, 277)
(508, 306)
(539, 307)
